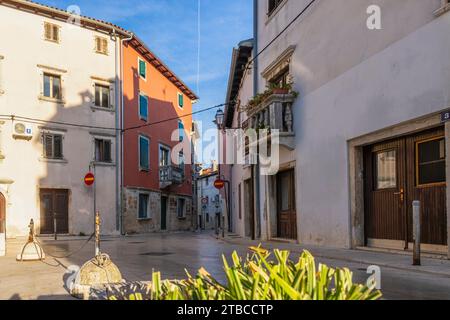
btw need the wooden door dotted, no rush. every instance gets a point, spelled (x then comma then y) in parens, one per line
(54, 203)
(385, 185)
(399, 172)
(287, 215)
(426, 175)
(2, 214)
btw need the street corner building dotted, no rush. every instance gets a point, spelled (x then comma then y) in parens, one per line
(157, 117)
(67, 89)
(362, 116)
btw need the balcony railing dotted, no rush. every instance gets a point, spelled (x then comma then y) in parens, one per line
(275, 114)
(170, 175)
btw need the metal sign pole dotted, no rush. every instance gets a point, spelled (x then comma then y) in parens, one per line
(97, 234)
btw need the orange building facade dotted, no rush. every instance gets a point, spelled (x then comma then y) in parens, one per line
(157, 122)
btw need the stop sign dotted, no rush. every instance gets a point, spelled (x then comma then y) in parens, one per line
(219, 184)
(89, 179)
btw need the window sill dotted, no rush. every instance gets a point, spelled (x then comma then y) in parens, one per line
(96, 108)
(144, 170)
(182, 218)
(47, 99)
(144, 219)
(61, 161)
(52, 41)
(442, 10)
(104, 164)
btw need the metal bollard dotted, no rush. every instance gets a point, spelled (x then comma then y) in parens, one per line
(416, 233)
(55, 226)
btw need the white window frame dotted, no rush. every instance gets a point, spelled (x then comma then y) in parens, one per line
(109, 138)
(57, 73)
(272, 14)
(141, 169)
(139, 59)
(183, 133)
(139, 106)
(168, 149)
(110, 95)
(179, 94)
(59, 32)
(445, 7)
(53, 131)
(149, 213)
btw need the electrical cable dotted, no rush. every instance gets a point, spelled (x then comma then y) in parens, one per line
(40, 121)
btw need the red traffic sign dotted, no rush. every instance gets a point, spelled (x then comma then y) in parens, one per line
(219, 184)
(89, 179)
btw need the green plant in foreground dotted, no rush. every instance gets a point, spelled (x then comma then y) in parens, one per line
(266, 276)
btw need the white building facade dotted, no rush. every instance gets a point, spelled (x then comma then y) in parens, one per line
(59, 106)
(366, 135)
(210, 204)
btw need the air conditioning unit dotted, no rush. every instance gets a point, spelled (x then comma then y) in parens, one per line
(22, 131)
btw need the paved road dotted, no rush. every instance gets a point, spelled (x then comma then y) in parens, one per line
(172, 253)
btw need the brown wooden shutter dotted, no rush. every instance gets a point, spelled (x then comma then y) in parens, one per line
(104, 46)
(48, 31)
(48, 146)
(57, 147)
(55, 33)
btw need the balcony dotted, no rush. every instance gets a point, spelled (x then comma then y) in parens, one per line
(275, 113)
(170, 175)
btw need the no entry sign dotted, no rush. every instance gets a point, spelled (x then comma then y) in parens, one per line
(219, 184)
(89, 179)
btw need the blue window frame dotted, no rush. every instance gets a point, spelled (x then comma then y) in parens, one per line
(144, 153)
(143, 107)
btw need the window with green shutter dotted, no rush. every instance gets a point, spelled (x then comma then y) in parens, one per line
(180, 100)
(144, 153)
(143, 107)
(142, 69)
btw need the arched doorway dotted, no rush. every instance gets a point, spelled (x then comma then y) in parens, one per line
(2, 225)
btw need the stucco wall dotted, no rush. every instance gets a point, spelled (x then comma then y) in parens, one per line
(24, 48)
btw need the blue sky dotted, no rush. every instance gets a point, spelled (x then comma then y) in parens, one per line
(170, 29)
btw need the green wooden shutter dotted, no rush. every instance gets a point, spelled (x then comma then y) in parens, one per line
(180, 100)
(142, 69)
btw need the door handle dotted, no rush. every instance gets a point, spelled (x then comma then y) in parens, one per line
(401, 194)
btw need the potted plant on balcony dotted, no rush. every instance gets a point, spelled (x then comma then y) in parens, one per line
(271, 90)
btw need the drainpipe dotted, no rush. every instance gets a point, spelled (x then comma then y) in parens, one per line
(118, 142)
(256, 168)
(120, 125)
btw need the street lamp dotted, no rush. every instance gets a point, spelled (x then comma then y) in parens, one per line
(219, 118)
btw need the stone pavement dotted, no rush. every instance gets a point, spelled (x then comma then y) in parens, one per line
(137, 256)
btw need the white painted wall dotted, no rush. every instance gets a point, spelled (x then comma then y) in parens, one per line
(24, 48)
(352, 81)
(206, 189)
